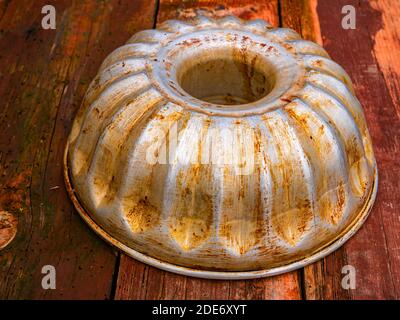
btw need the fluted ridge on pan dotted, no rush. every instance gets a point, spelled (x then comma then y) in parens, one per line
(324, 65)
(100, 83)
(99, 114)
(241, 207)
(103, 169)
(355, 144)
(190, 208)
(143, 206)
(326, 155)
(328, 77)
(293, 195)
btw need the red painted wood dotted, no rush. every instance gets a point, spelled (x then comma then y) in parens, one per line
(44, 74)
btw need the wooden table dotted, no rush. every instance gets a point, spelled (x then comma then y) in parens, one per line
(43, 77)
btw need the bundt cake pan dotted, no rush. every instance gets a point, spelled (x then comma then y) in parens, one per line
(221, 149)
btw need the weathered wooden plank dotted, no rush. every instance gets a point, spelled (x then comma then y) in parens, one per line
(386, 43)
(301, 16)
(44, 74)
(137, 281)
(368, 54)
(245, 9)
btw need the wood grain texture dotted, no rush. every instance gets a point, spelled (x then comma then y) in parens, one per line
(387, 46)
(139, 281)
(44, 74)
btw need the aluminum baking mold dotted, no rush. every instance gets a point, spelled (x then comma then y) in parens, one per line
(224, 149)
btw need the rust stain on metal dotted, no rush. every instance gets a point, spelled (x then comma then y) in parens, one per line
(8, 228)
(142, 215)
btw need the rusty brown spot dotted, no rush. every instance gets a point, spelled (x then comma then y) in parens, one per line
(190, 42)
(332, 204)
(191, 218)
(286, 100)
(318, 63)
(340, 204)
(8, 228)
(142, 215)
